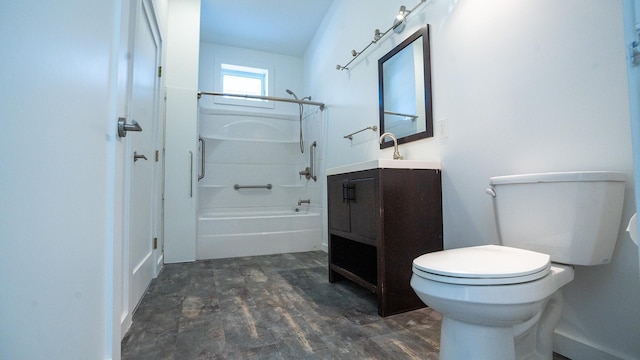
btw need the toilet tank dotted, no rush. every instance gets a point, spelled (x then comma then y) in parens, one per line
(572, 216)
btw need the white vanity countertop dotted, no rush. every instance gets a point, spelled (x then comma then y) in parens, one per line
(385, 164)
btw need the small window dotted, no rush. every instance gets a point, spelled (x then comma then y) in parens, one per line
(243, 80)
(256, 80)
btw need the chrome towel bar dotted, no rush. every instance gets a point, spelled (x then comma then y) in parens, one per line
(411, 116)
(350, 136)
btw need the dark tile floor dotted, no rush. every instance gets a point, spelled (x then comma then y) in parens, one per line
(271, 307)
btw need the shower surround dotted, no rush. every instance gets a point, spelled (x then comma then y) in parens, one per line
(248, 198)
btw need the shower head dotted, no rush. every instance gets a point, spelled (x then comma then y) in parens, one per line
(294, 95)
(291, 93)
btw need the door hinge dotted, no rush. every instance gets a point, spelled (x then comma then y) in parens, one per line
(157, 155)
(155, 243)
(159, 71)
(634, 50)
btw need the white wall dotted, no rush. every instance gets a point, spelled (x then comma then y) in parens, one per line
(181, 71)
(287, 74)
(57, 150)
(526, 86)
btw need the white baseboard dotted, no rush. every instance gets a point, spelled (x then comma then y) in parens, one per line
(581, 349)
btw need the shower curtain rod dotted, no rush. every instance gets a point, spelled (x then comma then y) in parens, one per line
(258, 97)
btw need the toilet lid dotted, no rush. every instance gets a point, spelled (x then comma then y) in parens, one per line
(482, 265)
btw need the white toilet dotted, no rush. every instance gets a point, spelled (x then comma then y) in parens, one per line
(502, 302)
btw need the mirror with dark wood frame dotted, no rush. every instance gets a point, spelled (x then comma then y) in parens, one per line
(404, 79)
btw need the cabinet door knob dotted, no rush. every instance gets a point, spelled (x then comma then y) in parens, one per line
(348, 192)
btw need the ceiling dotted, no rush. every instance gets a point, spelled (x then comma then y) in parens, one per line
(278, 26)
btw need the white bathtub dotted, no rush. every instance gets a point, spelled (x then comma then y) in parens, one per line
(233, 234)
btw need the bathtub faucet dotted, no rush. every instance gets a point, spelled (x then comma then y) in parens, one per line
(307, 201)
(306, 173)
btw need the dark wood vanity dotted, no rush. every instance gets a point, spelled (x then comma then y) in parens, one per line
(380, 219)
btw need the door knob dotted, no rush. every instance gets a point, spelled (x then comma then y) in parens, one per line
(123, 127)
(137, 157)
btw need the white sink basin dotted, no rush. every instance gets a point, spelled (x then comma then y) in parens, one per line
(385, 164)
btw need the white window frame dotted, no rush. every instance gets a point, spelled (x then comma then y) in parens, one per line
(259, 71)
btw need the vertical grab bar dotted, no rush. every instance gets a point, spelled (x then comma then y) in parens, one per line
(312, 155)
(202, 152)
(191, 174)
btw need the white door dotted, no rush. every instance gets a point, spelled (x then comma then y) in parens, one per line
(144, 168)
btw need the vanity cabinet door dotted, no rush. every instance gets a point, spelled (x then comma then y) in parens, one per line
(363, 207)
(338, 204)
(353, 206)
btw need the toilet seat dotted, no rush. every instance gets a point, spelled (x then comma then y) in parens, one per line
(483, 265)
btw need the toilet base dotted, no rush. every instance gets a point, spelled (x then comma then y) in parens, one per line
(531, 340)
(460, 340)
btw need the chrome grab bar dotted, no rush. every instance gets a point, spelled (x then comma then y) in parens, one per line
(308, 172)
(312, 155)
(238, 187)
(191, 174)
(201, 176)
(350, 136)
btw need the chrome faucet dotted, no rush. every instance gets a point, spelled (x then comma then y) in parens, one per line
(396, 153)
(306, 201)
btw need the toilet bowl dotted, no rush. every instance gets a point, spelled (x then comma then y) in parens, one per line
(486, 306)
(504, 301)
